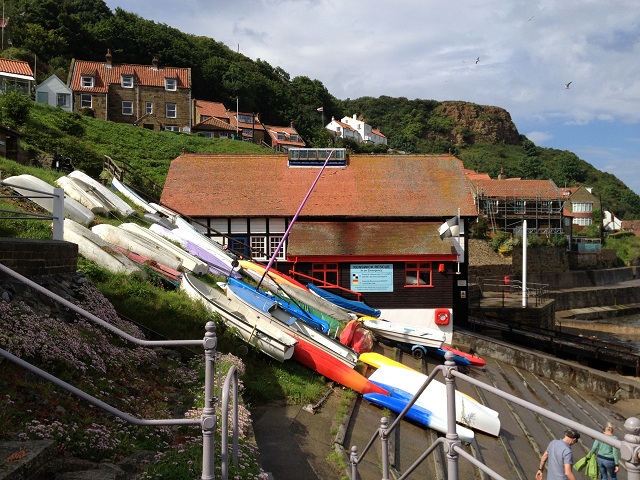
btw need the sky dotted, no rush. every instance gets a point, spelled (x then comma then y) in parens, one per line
(515, 54)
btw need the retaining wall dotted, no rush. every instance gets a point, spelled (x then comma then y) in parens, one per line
(38, 257)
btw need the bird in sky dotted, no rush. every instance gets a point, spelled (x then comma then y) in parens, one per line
(567, 85)
(477, 60)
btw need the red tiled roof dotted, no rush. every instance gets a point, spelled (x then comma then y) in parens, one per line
(288, 131)
(214, 123)
(366, 239)
(211, 109)
(146, 75)
(15, 67)
(517, 188)
(372, 186)
(345, 126)
(256, 125)
(377, 132)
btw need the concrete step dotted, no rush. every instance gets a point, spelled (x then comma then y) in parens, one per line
(23, 460)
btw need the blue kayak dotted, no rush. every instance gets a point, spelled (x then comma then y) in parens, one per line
(351, 305)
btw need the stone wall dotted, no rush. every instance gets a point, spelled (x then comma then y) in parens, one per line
(31, 257)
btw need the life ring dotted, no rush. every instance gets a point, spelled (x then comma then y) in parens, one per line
(442, 316)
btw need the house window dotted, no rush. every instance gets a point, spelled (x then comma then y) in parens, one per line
(583, 207)
(171, 84)
(223, 135)
(584, 222)
(281, 136)
(87, 81)
(148, 108)
(259, 248)
(520, 206)
(293, 138)
(126, 81)
(171, 110)
(273, 244)
(127, 107)
(243, 118)
(172, 128)
(208, 135)
(63, 100)
(325, 272)
(417, 274)
(85, 101)
(204, 118)
(247, 132)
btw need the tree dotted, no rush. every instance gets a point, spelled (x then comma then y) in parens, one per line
(14, 109)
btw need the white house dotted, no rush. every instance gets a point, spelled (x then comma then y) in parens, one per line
(352, 128)
(15, 76)
(56, 93)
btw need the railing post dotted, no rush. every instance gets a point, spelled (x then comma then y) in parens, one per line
(452, 434)
(630, 448)
(353, 459)
(208, 413)
(58, 214)
(384, 443)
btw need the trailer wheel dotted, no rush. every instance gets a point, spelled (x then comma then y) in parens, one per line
(417, 353)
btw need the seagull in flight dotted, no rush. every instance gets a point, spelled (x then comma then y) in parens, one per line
(477, 60)
(567, 85)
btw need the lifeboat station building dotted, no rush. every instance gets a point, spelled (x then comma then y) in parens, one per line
(388, 230)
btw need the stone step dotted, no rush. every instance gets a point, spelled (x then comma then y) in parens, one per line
(23, 460)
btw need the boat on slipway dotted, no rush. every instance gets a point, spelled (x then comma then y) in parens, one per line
(135, 243)
(131, 195)
(32, 187)
(92, 247)
(254, 328)
(355, 306)
(404, 333)
(186, 231)
(121, 206)
(469, 412)
(314, 349)
(188, 261)
(168, 274)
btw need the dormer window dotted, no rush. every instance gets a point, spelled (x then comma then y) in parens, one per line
(87, 81)
(171, 84)
(293, 138)
(244, 118)
(127, 81)
(281, 136)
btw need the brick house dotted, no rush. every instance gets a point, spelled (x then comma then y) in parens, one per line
(150, 96)
(371, 217)
(212, 120)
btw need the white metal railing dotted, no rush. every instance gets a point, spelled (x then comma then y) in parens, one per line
(58, 208)
(629, 447)
(207, 420)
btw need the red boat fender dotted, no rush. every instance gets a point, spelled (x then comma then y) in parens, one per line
(362, 340)
(442, 316)
(347, 334)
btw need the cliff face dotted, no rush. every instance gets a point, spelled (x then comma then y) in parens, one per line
(475, 124)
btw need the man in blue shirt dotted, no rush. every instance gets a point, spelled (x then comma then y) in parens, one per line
(559, 458)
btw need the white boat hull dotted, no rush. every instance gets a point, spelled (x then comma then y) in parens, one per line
(403, 333)
(94, 248)
(85, 194)
(122, 207)
(252, 328)
(189, 262)
(137, 244)
(469, 412)
(131, 195)
(72, 209)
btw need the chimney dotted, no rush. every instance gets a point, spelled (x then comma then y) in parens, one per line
(108, 58)
(501, 176)
(154, 63)
(292, 124)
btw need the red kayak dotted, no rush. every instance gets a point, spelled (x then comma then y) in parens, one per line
(473, 359)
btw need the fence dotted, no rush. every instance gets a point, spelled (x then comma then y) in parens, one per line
(629, 447)
(208, 418)
(538, 291)
(57, 214)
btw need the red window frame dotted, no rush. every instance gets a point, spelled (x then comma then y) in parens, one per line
(418, 270)
(327, 273)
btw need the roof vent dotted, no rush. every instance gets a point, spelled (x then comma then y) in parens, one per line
(315, 157)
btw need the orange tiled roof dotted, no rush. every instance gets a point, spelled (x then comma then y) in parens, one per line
(345, 126)
(517, 188)
(377, 132)
(146, 75)
(15, 67)
(216, 123)
(211, 109)
(366, 239)
(372, 186)
(257, 125)
(288, 131)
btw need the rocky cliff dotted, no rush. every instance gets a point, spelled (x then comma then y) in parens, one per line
(473, 123)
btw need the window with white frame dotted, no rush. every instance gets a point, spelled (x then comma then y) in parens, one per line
(171, 84)
(63, 100)
(87, 81)
(273, 244)
(127, 107)
(244, 118)
(281, 136)
(259, 247)
(223, 135)
(172, 128)
(293, 138)
(583, 207)
(148, 108)
(171, 110)
(520, 206)
(126, 81)
(206, 134)
(85, 101)
(584, 222)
